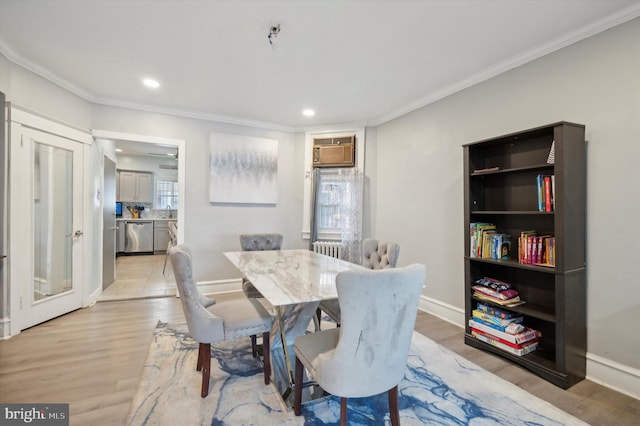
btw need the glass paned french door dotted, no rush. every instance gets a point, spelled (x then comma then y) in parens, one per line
(46, 185)
(53, 220)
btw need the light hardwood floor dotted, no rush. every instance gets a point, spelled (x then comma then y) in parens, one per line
(139, 277)
(92, 358)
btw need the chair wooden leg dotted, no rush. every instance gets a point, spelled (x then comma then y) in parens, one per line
(200, 357)
(206, 368)
(297, 392)
(319, 318)
(165, 261)
(266, 357)
(343, 411)
(393, 406)
(254, 346)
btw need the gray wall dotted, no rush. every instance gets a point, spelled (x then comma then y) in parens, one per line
(419, 173)
(212, 229)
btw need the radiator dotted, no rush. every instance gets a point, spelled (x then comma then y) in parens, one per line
(329, 248)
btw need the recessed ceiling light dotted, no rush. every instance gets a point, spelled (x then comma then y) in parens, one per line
(169, 154)
(118, 150)
(149, 82)
(308, 112)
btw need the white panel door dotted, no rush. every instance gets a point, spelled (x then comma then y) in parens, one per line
(46, 235)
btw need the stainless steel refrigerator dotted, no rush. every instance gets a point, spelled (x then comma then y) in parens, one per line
(4, 302)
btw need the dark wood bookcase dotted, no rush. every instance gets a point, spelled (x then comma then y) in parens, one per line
(500, 188)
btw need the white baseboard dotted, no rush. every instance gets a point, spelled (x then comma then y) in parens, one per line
(220, 286)
(600, 370)
(613, 375)
(442, 310)
(5, 329)
(93, 297)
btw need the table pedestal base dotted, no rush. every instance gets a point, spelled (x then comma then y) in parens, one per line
(292, 321)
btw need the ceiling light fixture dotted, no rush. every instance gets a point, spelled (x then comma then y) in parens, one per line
(308, 112)
(118, 150)
(151, 83)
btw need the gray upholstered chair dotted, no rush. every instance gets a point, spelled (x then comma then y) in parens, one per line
(368, 354)
(219, 321)
(171, 229)
(379, 255)
(375, 255)
(257, 242)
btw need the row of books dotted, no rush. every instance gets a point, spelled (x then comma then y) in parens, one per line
(503, 329)
(546, 189)
(536, 249)
(487, 242)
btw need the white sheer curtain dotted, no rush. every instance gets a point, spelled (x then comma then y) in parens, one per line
(338, 208)
(351, 211)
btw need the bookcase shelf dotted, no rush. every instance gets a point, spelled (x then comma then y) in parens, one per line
(530, 309)
(500, 188)
(513, 263)
(511, 212)
(542, 166)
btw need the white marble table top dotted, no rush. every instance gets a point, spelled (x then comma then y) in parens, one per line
(286, 277)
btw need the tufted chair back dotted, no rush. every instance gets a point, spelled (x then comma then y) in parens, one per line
(377, 255)
(259, 242)
(203, 325)
(368, 354)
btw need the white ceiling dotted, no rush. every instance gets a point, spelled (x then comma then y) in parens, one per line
(361, 62)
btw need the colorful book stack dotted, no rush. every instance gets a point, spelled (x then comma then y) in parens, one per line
(503, 330)
(546, 192)
(487, 243)
(496, 291)
(536, 249)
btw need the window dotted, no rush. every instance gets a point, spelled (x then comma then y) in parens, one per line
(322, 218)
(338, 206)
(329, 195)
(166, 193)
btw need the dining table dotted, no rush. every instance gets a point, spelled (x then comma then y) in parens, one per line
(293, 283)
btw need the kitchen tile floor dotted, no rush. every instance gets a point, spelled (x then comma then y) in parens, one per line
(139, 277)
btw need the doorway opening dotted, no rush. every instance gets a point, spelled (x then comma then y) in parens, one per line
(149, 164)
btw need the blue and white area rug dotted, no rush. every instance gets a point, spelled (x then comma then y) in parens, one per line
(439, 388)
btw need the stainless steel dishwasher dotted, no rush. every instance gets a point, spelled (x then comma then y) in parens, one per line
(138, 236)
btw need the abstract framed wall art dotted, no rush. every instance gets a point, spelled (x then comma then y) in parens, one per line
(243, 169)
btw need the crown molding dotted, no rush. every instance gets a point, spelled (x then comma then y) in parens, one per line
(218, 118)
(522, 58)
(8, 52)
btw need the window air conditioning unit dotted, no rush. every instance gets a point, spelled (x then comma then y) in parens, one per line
(334, 152)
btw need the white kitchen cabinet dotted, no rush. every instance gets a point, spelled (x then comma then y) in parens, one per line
(135, 187)
(160, 235)
(120, 235)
